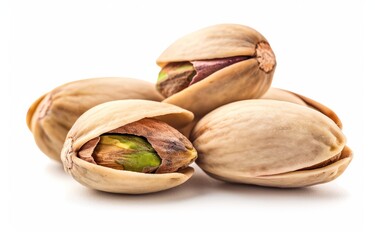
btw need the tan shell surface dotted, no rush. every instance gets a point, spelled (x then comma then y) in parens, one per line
(288, 96)
(321, 108)
(243, 80)
(239, 81)
(31, 111)
(218, 41)
(52, 115)
(111, 115)
(254, 138)
(282, 95)
(301, 178)
(117, 181)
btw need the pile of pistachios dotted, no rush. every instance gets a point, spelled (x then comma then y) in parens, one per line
(212, 104)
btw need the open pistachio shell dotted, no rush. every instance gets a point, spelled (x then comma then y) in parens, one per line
(51, 116)
(111, 115)
(288, 96)
(270, 143)
(249, 78)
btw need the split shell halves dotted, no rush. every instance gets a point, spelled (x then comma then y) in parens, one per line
(246, 79)
(112, 115)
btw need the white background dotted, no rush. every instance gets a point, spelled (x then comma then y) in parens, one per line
(319, 49)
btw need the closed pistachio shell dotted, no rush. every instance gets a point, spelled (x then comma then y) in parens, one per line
(247, 78)
(112, 115)
(288, 96)
(51, 116)
(270, 143)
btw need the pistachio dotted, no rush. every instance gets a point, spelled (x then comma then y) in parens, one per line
(215, 66)
(114, 147)
(288, 96)
(272, 143)
(175, 150)
(53, 114)
(175, 77)
(123, 152)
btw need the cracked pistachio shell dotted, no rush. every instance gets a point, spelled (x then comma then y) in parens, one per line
(288, 96)
(243, 80)
(51, 116)
(270, 143)
(112, 115)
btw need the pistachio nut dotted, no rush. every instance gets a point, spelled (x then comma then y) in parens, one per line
(123, 152)
(270, 143)
(130, 146)
(215, 66)
(288, 96)
(53, 114)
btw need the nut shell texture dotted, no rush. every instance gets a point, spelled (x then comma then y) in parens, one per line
(263, 141)
(111, 115)
(53, 114)
(218, 41)
(288, 96)
(243, 80)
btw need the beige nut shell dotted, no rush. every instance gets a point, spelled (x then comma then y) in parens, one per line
(288, 96)
(242, 80)
(111, 115)
(52, 115)
(302, 178)
(268, 142)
